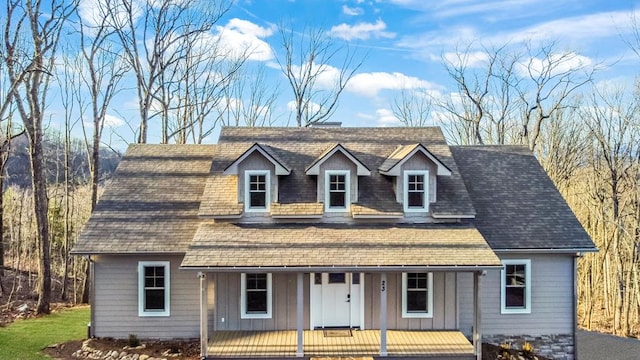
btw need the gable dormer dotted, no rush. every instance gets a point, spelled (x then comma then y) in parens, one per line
(337, 170)
(415, 170)
(257, 170)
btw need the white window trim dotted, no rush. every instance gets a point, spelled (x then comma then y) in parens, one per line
(167, 292)
(429, 313)
(243, 299)
(247, 193)
(527, 288)
(347, 190)
(405, 191)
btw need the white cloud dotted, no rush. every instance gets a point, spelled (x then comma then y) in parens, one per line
(471, 59)
(312, 107)
(354, 11)
(327, 75)
(94, 12)
(369, 84)
(239, 37)
(385, 117)
(112, 121)
(361, 31)
(554, 64)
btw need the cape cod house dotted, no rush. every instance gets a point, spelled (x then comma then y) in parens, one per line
(285, 242)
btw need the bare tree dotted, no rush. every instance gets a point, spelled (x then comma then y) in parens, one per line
(505, 96)
(249, 99)
(315, 83)
(152, 35)
(413, 107)
(32, 35)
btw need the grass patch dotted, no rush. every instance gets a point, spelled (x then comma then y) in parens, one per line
(24, 339)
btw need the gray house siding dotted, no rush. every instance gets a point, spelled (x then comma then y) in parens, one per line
(444, 303)
(224, 300)
(116, 300)
(551, 299)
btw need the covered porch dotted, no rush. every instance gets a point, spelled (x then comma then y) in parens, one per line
(342, 343)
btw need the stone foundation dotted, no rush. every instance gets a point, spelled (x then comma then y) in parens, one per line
(557, 347)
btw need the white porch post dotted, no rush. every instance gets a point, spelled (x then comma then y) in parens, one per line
(300, 314)
(383, 314)
(477, 316)
(204, 333)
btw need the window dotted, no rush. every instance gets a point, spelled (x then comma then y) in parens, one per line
(255, 296)
(337, 191)
(417, 295)
(256, 193)
(515, 295)
(153, 288)
(416, 194)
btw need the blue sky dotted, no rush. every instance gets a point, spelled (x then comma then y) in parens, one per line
(405, 40)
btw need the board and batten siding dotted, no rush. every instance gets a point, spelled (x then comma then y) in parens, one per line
(116, 300)
(224, 303)
(551, 299)
(445, 304)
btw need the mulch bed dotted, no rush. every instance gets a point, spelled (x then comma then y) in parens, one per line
(180, 350)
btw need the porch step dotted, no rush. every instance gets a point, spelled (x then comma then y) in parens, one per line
(341, 358)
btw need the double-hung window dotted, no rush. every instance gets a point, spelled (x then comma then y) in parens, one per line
(417, 295)
(516, 287)
(337, 195)
(153, 288)
(256, 193)
(416, 191)
(255, 296)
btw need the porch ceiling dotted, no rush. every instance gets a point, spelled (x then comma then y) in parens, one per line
(224, 245)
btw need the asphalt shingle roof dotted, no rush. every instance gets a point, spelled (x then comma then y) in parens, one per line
(517, 204)
(300, 147)
(152, 202)
(325, 245)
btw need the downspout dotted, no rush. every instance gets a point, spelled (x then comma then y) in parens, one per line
(575, 306)
(91, 333)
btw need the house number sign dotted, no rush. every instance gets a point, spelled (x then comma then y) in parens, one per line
(383, 285)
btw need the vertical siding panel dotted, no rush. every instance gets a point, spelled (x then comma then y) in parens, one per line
(116, 294)
(450, 301)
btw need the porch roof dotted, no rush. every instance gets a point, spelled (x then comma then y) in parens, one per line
(339, 246)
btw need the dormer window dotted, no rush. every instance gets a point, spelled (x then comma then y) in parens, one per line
(337, 196)
(416, 197)
(257, 190)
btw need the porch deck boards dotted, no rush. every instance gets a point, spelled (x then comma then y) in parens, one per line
(250, 344)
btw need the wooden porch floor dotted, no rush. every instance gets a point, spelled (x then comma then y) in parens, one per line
(251, 344)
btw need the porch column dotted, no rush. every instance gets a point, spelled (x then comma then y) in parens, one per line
(204, 333)
(383, 314)
(477, 316)
(300, 315)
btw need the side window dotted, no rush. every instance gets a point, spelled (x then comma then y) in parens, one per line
(416, 191)
(256, 191)
(417, 295)
(337, 186)
(153, 288)
(255, 296)
(516, 287)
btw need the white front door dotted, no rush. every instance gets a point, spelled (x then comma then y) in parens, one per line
(335, 300)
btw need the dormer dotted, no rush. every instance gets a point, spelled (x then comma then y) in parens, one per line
(257, 170)
(415, 170)
(337, 170)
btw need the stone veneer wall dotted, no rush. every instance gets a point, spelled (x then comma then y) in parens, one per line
(557, 347)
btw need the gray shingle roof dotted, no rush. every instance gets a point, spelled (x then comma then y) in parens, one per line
(300, 147)
(517, 205)
(151, 204)
(324, 245)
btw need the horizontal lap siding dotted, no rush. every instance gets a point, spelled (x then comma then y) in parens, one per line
(224, 292)
(444, 303)
(116, 300)
(551, 298)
